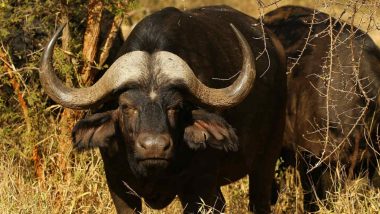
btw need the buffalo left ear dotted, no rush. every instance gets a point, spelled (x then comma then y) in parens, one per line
(97, 130)
(209, 129)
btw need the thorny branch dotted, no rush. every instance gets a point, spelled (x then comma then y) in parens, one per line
(355, 65)
(265, 50)
(304, 47)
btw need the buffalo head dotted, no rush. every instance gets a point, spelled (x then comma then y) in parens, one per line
(157, 97)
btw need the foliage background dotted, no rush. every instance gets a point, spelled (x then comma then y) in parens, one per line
(32, 179)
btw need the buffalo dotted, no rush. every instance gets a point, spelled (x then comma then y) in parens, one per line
(333, 85)
(184, 108)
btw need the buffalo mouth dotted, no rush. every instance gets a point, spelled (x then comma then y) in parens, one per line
(155, 162)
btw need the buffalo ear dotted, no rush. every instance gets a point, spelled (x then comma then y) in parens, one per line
(97, 130)
(209, 129)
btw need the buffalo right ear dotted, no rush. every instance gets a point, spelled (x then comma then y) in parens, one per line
(97, 130)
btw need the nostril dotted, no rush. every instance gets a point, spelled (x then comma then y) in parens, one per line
(144, 142)
(167, 146)
(142, 145)
(164, 142)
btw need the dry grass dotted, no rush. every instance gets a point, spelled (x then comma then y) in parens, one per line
(356, 197)
(21, 192)
(84, 190)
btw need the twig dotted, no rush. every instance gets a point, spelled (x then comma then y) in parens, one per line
(11, 70)
(265, 50)
(305, 46)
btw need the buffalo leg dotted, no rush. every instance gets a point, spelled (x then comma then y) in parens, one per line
(309, 186)
(315, 183)
(260, 185)
(126, 205)
(125, 200)
(210, 200)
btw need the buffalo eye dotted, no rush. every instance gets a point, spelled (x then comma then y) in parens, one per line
(129, 111)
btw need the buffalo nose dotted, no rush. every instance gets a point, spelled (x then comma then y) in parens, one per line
(155, 145)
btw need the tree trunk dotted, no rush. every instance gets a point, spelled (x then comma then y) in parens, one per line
(91, 37)
(68, 116)
(112, 33)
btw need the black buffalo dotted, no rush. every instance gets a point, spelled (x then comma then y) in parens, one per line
(333, 67)
(169, 125)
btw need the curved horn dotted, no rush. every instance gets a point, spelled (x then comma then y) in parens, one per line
(123, 71)
(220, 98)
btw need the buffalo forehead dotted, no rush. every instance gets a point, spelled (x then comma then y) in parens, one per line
(152, 71)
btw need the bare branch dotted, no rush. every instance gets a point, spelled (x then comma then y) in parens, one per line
(11, 70)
